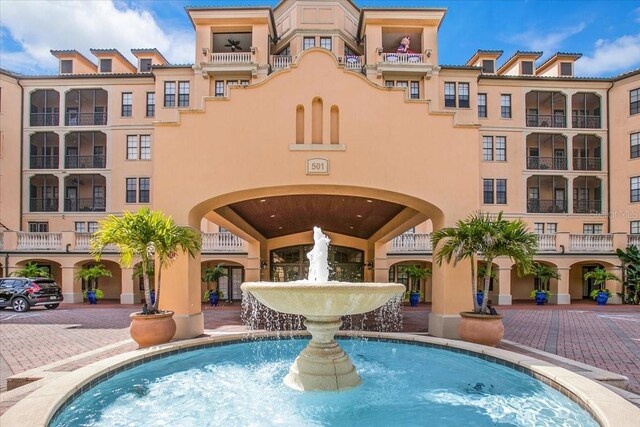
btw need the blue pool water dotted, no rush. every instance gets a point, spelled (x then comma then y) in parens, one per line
(241, 385)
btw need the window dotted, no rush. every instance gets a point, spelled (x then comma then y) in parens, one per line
(415, 90)
(308, 42)
(151, 104)
(463, 95)
(634, 227)
(244, 82)
(527, 68)
(105, 65)
(501, 191)
(145, 147)
(592, 228)
(145, 65)
(538, 227)
(169, 94)
(132, 147)
(219, 88)
(501, 148)
(66, 66)
(131, 190)
(144, 190)
(552, 228)
(505, 106)
(402, 83)
(487, 148)
(487, 189)
(349, 52)
(566, 69)
(388, 83)
(93, 226)
(635, 145)
(285, 52)
(38, 227)
(183, 94)
(223, 230)
(325, 42)
(488, 66)
(449, 94)
(635, 189)
(482, 105)
(127, 104)
(81, 227)
(634, 101)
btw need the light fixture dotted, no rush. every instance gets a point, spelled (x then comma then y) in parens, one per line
(428, 53)
(370, 265)
(263, 200)
(369, 201)
(204, 51)
(272, 215)
(263, 265)
(379, 50)
(359, 216)
(253, 50)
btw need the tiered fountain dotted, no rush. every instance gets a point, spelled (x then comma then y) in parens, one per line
(322, 365)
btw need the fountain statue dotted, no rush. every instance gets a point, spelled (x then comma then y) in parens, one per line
(322, 365)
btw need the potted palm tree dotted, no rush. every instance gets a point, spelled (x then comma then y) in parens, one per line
(482, 273)
(91, 275)
(630, 274)
(138, 271)
(600, 277)
(544, 274)
(416, 274)
(486, 236)
(31, 271)
(147, 235)
(212, 275)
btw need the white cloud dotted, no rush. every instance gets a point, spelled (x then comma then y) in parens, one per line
(611, 57)
(546, 41)
(39, 26)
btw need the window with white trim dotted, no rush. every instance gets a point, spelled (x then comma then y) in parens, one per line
(325, 42)
(308, 42)
(487, 148)
(634, 227)
(38, 227)
(132, 147)
(592, 228)
(501, 148)
(145, 147)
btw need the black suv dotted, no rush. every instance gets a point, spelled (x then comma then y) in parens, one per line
(22, 294)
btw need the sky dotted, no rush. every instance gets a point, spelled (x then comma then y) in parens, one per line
(606, 32)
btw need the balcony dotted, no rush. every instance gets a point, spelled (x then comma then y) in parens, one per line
(44, 119)
(43, 162)
(232, 62)
(585, 121)
(44, 108)
(411, 243)
(84, 162)
(404, 63)
(587, 206)
(585, 108)
(231, 58)
(587, 163)
(546, 242)
(546, 120)
(222, 242)
(633, 240)
(84, 204)
(352, 62)
(546, 206)
(85, 119)
(39, 241)
(543, 163)
(281, 62)
(591, 242)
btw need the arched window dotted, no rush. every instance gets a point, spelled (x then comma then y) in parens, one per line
(316, 123)
(335, 125)
(300, 124)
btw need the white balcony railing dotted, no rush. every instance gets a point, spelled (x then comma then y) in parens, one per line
(352, 62)
(632, 239)
(231, 58)
(280, 62)
(402, 58)
(83, 241)
(39, 241)
(591, 242)
(546, 242)
(222, 242)
(411, 242)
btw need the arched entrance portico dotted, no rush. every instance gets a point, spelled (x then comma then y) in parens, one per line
(248, 214)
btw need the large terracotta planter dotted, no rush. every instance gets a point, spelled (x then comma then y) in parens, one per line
(152, 329)
(485, 329)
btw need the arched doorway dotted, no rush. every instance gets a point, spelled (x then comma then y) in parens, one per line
(291, 263)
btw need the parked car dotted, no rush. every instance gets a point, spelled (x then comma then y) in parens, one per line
(21, 293)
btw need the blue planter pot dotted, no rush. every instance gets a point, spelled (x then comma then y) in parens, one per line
(214, 298)
(541, 297)
(153, 297)
(479, 297)
(91, 297)
(602, 298)
(414, 298)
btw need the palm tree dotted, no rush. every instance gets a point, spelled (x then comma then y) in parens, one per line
(31, 271)
(148, 235)
(486, 236)
(631, 274)
(92, 274)
(416, 274)
(544, 274)
(600, 276)
(212, 275)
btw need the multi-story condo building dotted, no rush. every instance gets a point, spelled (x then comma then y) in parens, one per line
(310, 114)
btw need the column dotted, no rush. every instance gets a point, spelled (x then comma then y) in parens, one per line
(560, 288)
(451, 294)
(614, 286)
(71, 287)
(129, 291)
(504, 286)
(380, 263)
(253, 269)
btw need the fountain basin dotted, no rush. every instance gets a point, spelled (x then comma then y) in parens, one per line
(318, 300)
(66, 394)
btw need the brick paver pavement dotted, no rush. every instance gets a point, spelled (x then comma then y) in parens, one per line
(607, 337)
